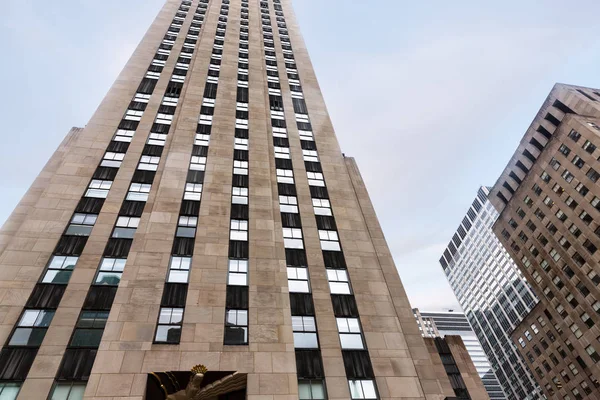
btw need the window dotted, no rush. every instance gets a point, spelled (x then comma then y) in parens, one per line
(89, 329)
(575, 329)
(592, 353)
(362, 389)
(288, 204)
(239, 230)
(578, 162)
(239, 195)
(564, 150)
(329, 240)
(298, 280)
(567, 176)
(588, 146)
(593, 175)
(310, 155)
(186, 226)
(157, 139)
(339, 283)
(350, 335)
(305, 336)
(534, 329)
(585, 217)
(554, 164)
(582, 189)
(528, 335)
(240, 167)
(285, 176)
(202, 140)
(322, 206)
(587, 320)
(138, 191)
(179, 269)
(112, 160)
(123, 135)
(31, 328)
(98, 189)
(149, 163)
(59, 270)
(558, 189)
(315, 179)
(311, 390)
(573, 369)
(198, 163)
(240, 144)
(81, 224)
(10, 390)
(282, 152)
(292, 238)
(169, 325)
(67, 391)
(236, 327)
(110, 271)
(125, 227)
(574, 135)
(522, 342)
(571, 202)
(238, 273)
(193, 191)
(545, 177)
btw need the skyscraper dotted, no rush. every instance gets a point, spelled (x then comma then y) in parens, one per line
(206, 215)
(493, 293)
(548, 199)
(451, 323)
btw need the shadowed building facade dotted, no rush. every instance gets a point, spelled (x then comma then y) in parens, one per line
(548, 198)
(206, 214)
(436, 324)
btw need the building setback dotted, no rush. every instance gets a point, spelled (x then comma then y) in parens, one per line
(493, 293)
(548, 200)
(206, 215)
(436, 324)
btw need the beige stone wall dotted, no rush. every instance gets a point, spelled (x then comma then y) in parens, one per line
(467, 368)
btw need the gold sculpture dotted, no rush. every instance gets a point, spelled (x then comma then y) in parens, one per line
(195, 391)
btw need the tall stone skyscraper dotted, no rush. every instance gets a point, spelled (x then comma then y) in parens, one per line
(549, 203)
(206, 215)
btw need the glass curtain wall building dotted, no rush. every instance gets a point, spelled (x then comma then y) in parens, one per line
(493, 294)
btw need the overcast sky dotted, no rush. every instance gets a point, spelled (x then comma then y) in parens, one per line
(431, 98)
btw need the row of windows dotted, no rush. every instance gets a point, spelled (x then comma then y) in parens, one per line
(170, 319)
(304, 326)
(236, 319)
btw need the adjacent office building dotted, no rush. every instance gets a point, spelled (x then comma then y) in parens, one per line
(548, 198)
(206, 215)
(450, 323)
(450, 356)
(493, 293)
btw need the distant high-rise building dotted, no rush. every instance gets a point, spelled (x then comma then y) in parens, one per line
(449, 323)
(206, 215)
(493, 293)
(548, 198)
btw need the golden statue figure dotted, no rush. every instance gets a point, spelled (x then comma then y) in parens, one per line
(194, 389)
